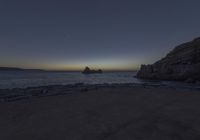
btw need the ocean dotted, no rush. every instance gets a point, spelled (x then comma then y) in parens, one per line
(23, 79)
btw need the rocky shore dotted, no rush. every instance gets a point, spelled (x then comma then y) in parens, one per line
(182, 64)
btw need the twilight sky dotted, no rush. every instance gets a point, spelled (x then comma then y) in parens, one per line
(107, 34)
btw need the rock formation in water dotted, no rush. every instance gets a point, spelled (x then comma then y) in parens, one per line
(182, 63)
(87, 70)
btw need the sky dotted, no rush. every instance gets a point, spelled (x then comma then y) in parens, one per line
(106, 34)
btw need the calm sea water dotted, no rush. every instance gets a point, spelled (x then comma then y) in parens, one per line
(21, 79)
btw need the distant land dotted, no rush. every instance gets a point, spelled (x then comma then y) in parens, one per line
(18, 69)
(31, 70)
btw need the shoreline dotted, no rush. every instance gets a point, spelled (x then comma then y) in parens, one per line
(9, 95)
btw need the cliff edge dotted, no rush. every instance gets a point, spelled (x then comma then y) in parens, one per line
(182, 64)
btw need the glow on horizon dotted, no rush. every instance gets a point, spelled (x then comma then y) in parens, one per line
(69, 35)
(106, 65)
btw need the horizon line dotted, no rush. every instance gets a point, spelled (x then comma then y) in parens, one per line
(63, 70)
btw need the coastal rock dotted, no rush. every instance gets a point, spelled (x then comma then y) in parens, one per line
(182, 63)
(87, 70)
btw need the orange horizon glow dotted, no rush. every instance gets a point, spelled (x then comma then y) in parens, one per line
(104, 64)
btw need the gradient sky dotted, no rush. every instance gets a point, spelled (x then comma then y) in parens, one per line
(107, 34)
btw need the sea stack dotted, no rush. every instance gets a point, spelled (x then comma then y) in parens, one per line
(87, 70)
(182, 64)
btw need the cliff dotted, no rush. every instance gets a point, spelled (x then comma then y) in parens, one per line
(182, 63)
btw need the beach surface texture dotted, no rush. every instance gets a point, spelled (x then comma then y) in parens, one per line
(112, 112)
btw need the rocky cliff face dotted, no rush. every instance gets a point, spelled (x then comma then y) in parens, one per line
(182, 63)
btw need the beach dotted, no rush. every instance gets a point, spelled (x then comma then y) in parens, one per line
(99, 70)
(100, 112)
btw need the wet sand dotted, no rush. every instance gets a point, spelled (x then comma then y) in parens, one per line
(101, 113)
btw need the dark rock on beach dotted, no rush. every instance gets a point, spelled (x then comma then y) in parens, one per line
(182, 64)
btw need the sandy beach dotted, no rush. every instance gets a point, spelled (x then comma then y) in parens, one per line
(102, 113)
